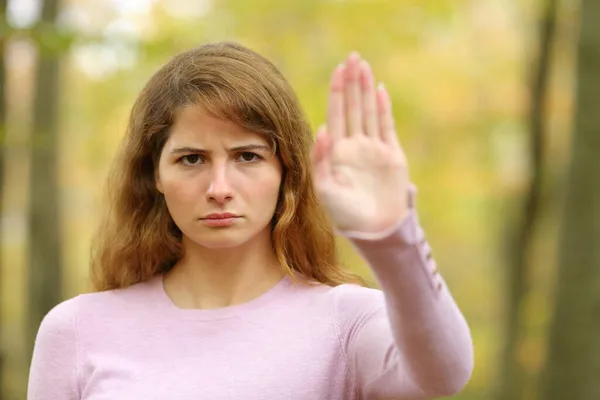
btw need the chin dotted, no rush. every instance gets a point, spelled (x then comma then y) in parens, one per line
(219, 243)
(223, 240)
(227, 238)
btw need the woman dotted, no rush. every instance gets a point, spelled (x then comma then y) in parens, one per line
(215, 268)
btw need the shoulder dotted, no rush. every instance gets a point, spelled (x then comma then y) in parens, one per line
(60, 322)
(347, 302)
(351, 301)
(352, 306)
(132, 296)
(54, 365)
(69, 315)
(344, 297)
(116, 306)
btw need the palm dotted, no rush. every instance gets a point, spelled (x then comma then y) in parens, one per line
(360, 168)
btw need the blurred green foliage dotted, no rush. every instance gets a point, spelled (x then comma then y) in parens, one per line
(457, 74)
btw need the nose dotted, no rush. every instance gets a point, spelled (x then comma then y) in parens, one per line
(219, 188)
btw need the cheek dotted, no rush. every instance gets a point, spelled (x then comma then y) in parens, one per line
(266, 190)
(179, 192)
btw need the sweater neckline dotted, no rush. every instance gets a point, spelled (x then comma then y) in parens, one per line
(233, 311)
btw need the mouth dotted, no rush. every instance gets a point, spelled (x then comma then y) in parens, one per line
(220, 220)
(219, 216)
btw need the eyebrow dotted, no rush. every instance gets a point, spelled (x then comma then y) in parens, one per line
(246, 147)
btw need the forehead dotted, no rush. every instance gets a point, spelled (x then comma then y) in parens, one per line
(193, 124)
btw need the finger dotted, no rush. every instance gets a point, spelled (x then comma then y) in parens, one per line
(320, 155)
(369, 100)
(353, 96)
(386, 118)
(336, 117)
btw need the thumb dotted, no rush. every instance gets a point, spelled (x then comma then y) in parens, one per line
(320, 154)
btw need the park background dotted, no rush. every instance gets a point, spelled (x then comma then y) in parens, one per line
(494, 105)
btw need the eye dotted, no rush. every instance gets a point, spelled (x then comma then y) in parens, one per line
(248, 156)
(191, 159)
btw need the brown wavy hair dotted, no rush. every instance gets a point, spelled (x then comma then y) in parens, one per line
(137, 239)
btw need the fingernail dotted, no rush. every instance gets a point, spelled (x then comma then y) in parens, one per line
(381, 86)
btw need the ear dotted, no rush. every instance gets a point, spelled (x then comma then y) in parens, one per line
(157, 182)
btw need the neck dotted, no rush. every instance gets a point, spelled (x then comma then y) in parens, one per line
(214, 278)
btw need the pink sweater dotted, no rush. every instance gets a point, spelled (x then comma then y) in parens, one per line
(295, 342)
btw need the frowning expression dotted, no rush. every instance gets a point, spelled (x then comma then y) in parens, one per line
(220, 182)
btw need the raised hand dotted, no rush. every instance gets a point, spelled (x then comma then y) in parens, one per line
(359, 168)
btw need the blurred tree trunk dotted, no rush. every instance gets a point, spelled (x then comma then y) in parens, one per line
(3, 20)
(44, 226)
(512, 379)
(573, 365)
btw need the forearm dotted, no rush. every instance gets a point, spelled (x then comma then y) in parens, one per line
(432, 337)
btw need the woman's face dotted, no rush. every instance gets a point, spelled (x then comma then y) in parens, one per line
(220, 181)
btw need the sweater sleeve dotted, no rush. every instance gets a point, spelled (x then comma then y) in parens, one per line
(408, 340)
(53, 372)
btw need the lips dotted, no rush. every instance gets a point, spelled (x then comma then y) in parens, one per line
(219, 220)
(217, 216)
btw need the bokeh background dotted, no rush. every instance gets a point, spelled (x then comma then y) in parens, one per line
(484, 93)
